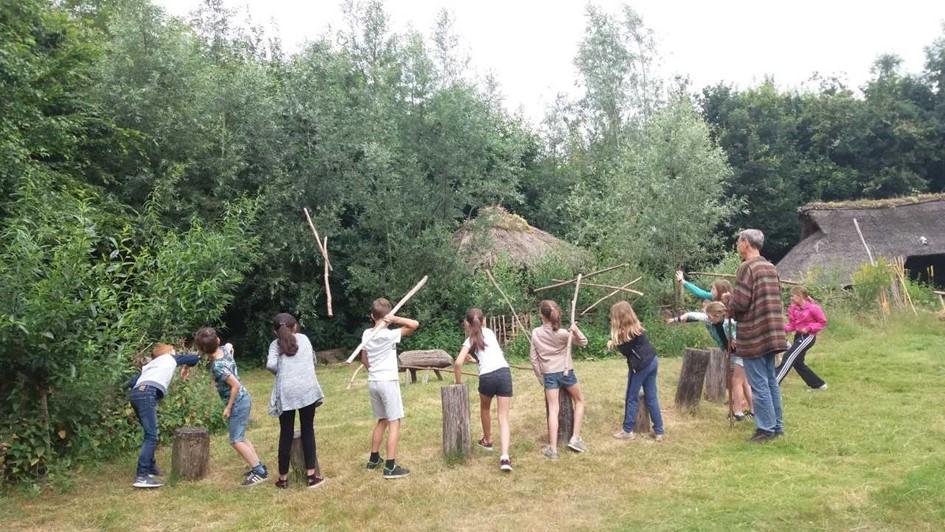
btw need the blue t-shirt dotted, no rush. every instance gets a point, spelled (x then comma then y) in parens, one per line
(222, 368)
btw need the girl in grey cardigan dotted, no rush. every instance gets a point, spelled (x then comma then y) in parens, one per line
(292, 360)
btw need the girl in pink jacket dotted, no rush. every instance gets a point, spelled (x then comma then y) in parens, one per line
(805, 320)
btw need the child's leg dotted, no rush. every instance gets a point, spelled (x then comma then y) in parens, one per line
(378, 435)
(144, 404)
(738, 389)
(552, 397)
(810, 378)
(286, 434)
(632, 404)
(307, 425)
(238, 421)
(801, 344)
(504, 406)
(393, 435)
(485, 405)
(651, 396)
(578, 397)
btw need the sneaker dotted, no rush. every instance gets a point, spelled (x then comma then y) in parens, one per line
(505, 464)
(658, 438)
(577, 445)
(374, 465)
(147, 481)
(487, 445)
(252, 478)
(282, 483)
(624, 435)
(762, 436)
(315, 481)
(395, 472)
(550, 453)
(739, 416)
(819, 389)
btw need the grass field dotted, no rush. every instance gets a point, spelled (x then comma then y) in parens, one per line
(865, 455)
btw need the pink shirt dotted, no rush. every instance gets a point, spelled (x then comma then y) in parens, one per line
(809, 317)
(549, 349)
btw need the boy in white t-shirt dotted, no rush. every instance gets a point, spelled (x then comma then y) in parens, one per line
(379, 356)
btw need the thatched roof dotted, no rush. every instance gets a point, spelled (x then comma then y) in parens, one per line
(899, 227)
(496, 232)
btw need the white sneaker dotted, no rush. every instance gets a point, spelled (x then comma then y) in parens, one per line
(622, 435)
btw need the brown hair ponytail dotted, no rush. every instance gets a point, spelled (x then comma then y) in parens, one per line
(474, 319)
(284, 327)
(552, 312)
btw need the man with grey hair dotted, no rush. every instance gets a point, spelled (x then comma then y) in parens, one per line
(756, 306)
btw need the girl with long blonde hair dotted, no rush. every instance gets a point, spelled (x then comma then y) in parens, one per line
(628, 336)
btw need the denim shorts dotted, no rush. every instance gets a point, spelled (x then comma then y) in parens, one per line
(239, 418)
(554, 381)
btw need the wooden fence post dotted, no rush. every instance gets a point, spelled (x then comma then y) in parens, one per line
(716, 377)
(691, 377)
(190, 456)
(457, 442)
(297, 459)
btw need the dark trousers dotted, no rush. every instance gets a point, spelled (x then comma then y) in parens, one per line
(144, 401)
(287, 434)
(794, 358)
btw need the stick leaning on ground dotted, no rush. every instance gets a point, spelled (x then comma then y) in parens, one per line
(380, 325)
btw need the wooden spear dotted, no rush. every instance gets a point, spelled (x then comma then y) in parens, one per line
(323, 248)
(380, 325)
(615, 292)
(588, 276)
(732, 276)
(577, 288)
(617, 288)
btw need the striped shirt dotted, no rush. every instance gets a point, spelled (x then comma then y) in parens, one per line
(756, 305)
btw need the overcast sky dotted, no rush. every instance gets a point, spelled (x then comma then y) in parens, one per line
(529, 45)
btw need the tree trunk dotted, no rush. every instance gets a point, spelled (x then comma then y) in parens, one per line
(297, 459)
(691, 377)
(565, 415)
(457, 441)
(642, 425)
(430, 358)
(190, 457)
(716, 376)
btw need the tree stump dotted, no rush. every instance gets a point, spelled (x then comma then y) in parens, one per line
(331, 356)
(457, 441)
(297, 459)
(430, 358)
(716, 376)
(190, 456)
(691, 377)
(642, 425)
(565, 415)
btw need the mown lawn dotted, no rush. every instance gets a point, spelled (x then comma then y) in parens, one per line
(867, 454)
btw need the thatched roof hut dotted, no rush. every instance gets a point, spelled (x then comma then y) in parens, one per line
(496, 232)
(910, 227)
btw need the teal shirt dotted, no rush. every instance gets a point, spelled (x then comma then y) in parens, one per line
(698, 292)
(222, 368)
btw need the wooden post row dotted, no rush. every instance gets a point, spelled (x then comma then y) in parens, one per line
(716, 376)
(691, 377)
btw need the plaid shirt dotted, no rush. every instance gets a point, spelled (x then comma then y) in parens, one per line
(756, 305)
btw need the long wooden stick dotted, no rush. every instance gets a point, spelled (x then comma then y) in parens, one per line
(448, 368)
(577, 288)
(863, 240)
(732, 276)
(615, 292)
(617, 288)
(380, 325)
(353, 375)
(572, 281)
(323, 248)
(509, 303)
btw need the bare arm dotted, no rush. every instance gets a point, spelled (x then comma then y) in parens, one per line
(364, 359)
(234, 391)
(408, 326)
(458, 364)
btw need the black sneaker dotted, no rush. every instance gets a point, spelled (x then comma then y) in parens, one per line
(396, 472)
(147, 481)
(252, 478)
(762, 436)
(374, 465)
(315, 481)
(505, 464)
(282, 483)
